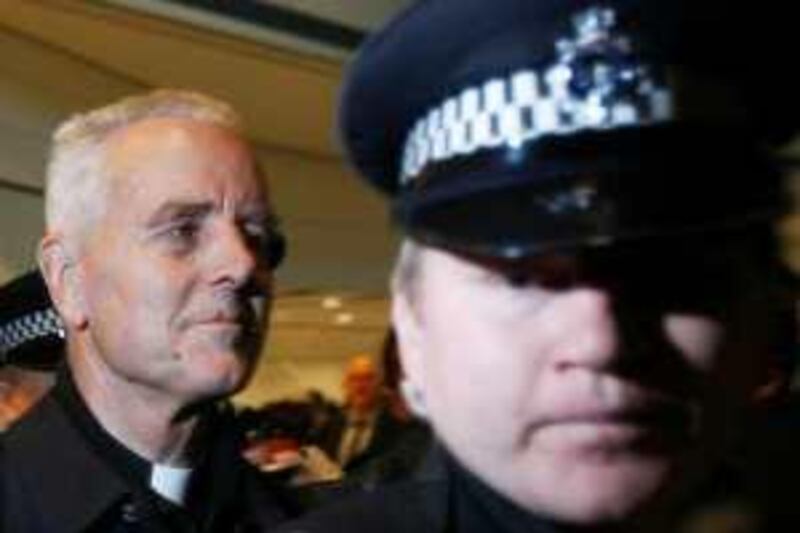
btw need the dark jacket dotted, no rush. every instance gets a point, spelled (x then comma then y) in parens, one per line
(413, 507)
(61, 473)
(442, 499)
(448, 499)
(387, 431)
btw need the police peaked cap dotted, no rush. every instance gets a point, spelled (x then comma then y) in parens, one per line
(31, 335)
(507, 127)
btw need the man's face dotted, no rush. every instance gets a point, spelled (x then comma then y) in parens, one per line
(174, 284)
(361, 384)
(583, 386)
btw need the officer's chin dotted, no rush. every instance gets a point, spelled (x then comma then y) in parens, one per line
(609, 493)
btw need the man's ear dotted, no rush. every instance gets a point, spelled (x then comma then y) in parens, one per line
(405, 319)
(60, 274)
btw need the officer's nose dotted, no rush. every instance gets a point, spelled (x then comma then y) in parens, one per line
(594, 335)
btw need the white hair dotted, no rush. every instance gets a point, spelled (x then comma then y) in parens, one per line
(76, 187)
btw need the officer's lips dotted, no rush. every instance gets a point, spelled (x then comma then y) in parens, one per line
(654, 425)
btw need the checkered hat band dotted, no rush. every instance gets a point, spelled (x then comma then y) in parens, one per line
(30, 327)
(510, 112)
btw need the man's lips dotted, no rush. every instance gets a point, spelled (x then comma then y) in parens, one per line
(229, 322)
(234, 315)
(220, 325)
(219, 322)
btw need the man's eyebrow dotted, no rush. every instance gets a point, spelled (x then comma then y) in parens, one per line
(265, 217)
(172, 210)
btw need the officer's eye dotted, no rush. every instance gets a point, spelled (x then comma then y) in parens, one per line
(518, 278)
(546, 271)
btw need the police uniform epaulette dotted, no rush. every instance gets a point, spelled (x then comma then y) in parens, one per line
(31, 334)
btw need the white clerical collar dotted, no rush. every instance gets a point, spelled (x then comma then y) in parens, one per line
(171, 482)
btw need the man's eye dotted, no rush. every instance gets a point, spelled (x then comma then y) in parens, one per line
(256, 237)
(183, 232)
(265, 239)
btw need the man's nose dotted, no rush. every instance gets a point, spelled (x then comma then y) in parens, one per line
(235, 261)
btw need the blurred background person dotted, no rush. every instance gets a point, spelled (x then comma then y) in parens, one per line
(351, 434)
(374, 424)
(401, 440)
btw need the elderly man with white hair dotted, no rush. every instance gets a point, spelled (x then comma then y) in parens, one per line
(158, 254)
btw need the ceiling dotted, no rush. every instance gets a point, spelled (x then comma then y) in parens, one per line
(362, 14)
(327, 28)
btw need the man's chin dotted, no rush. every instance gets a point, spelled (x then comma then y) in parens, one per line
(218, 375)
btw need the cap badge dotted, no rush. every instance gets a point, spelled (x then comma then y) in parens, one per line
(597, 78)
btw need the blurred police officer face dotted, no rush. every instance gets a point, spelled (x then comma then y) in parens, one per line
(585, 386)
(172, 283)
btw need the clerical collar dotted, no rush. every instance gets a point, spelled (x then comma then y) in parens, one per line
(171, 482)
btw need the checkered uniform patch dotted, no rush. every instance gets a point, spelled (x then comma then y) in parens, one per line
(523, 107)
(29, 327)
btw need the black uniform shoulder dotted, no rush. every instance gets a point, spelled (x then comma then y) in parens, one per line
(35, 433)
(413, 506)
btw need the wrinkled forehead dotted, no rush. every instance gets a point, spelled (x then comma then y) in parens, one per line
(168, 160)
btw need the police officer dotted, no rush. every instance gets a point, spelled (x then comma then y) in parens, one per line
(31, 345)
(31, 334)
(588, 294)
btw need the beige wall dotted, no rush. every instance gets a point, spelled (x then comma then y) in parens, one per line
(20, 225)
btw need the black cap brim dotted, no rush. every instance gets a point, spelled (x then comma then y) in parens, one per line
(581, 194)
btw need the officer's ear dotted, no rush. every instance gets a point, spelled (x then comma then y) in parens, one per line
(775, 387)
(405, 319)
(784, 349)
(58, 268)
